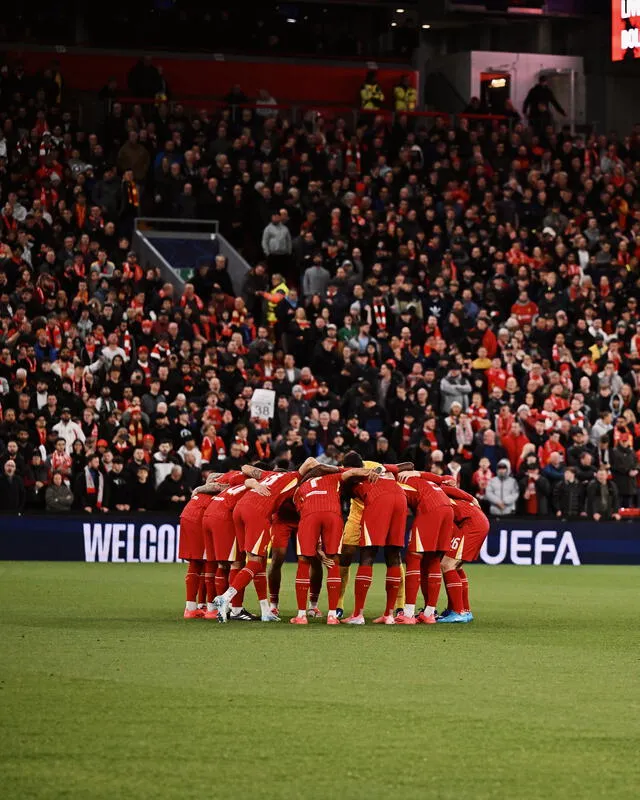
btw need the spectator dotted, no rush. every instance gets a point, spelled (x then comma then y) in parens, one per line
(58, 496)
(455, 387)
(144, 495)
(404, 95)
(502, 492)
(172, 493)
(603, 500)
(68, 429)
(119, 489)
(89, 491)
(624, 469)
(276, 244)
(569, 496)
(12, 491)
(535, 492)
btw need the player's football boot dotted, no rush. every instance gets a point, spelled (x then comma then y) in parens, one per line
(211, 614)
(275, 610)
(385, 619)
(354, 619)
(243, 616)
(314, 613)
(192, 614)
(340, 613)
(423, 619)
(222, 604)
(299, 621)
(468, 615)
(445, 613)
(453, 617)
(399, 612)
(332, 619)
(270, 617)
(403, 619)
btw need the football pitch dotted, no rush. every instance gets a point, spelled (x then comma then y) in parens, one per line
(106, 692)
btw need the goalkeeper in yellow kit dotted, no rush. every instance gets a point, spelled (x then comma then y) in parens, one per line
(351, 542)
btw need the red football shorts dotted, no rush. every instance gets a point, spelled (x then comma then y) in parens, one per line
(191, 540)
(467, 539)
(252, 531)
(431, 532)
(221, 543)
(325, 526)
(281, 531)
(384, 522)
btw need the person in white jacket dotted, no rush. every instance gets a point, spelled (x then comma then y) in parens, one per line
(502, 491)
(68, 430)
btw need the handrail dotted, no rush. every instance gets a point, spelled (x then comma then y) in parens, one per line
(309, 105)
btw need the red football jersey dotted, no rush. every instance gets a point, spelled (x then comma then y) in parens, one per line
(282, 486)
(319, 494)
(386, 486)
(196, 507)
(423, 495)
(227, 499)
(464, 505)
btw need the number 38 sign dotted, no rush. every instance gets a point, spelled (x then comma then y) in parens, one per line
(263, 403)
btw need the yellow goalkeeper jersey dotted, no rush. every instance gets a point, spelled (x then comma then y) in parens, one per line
(351, 534)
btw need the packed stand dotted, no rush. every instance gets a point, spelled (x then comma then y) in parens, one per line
(463, 298)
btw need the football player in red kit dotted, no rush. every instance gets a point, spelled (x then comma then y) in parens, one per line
(283, 525)
(430, 537)
(192, 543)
(471, 528)
(383, 525)
(220, 536)
(252, 518)
(317, 499)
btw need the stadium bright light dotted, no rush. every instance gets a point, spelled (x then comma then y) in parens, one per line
(394, 24)
(399, 10)
(291, 20)
(426, 26)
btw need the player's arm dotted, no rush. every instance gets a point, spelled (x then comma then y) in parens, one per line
(403, 466)
(356, 473)
(209, 488)
(252, 472)
(318, 471)
(437, 479)
(252, 483)
(458, 494)
(307, 465)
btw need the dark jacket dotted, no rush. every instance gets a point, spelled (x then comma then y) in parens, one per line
(168, 489)
(603, 500)
(144, 496)
(12, 493)
(58, 499)
(623, 459)
(119, 492)
(569, 498)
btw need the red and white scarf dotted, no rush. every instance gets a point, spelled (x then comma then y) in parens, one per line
(380, 315)
(91, 487)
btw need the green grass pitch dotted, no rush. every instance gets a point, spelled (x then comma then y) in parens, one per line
(105, 692)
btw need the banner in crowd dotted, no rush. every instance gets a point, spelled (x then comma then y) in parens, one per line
(155, 539)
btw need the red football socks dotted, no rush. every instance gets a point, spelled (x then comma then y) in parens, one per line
(222, 580)
(246, 575)
(431, 565)
(202, 588)
(364, 576)
(333, 586)
(392, 584)
(315, 585)
(454, 590)
(302, 585)
(210, 568)
(465, 589)
(238, 599)
(192, 580)
(260, 584)
(412, 578)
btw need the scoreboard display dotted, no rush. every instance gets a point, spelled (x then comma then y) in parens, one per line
(625, 30)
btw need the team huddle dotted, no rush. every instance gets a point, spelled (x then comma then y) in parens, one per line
(234, 520)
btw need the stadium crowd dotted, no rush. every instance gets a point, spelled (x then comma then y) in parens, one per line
(462, 297)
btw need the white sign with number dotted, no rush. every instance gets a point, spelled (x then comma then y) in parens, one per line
(263, 403)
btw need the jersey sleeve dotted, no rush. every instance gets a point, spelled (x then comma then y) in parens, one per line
(431, 476)
(458, 494)
(392, 468)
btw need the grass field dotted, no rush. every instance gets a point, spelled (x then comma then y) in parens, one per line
(105, 692)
